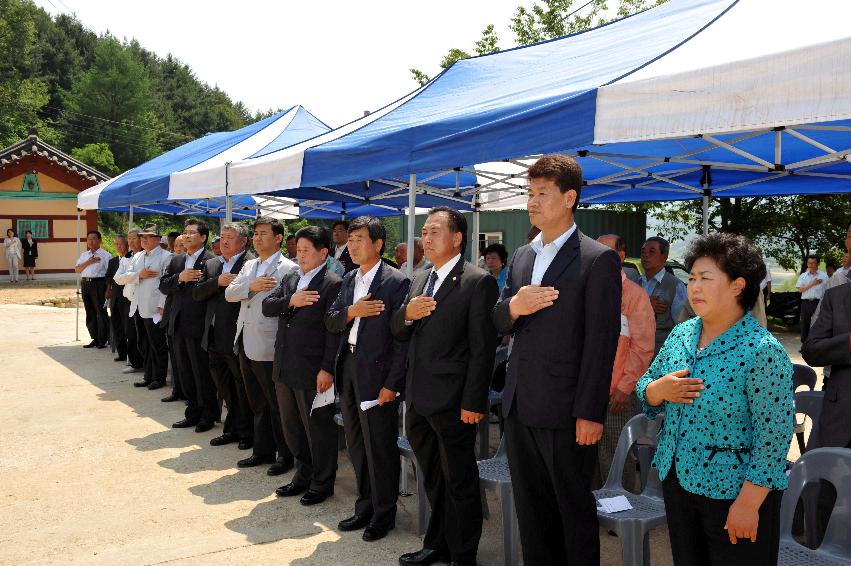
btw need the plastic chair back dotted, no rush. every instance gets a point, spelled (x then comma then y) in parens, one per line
(638, 427)
(808, 403)
(803, 375)
(832, 465)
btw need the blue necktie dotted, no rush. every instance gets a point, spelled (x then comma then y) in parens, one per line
(431, 281)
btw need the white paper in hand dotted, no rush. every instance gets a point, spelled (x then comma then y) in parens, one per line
(323, 399)
(367, 405)
(157, 318)
(614, 504)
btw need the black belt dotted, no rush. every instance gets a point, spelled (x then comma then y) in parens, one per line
(90, 279)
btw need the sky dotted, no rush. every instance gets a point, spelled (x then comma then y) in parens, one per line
(335, 58)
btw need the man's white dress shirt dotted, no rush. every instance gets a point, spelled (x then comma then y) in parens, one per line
(362, 283)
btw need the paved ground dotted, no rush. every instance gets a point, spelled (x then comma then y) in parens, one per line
(93, 474)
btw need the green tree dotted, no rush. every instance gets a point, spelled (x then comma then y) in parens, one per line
(487, 43)
(97, 155)
(111, 101)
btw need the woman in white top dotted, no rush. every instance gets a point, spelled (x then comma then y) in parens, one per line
(12, 250)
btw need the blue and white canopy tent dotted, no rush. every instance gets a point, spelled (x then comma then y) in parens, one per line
(690, 99)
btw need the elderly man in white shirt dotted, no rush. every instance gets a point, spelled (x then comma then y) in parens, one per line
(143, 276)
(255, 341)
(811, 285)
(91, 265)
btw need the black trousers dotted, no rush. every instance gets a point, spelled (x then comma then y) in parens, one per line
(176, 386)
(142, 346)
(156, 362)
(445, 449)
(202, 404)
(808, 309)
(134, 351)
(556, 511)
(117, 320)
(97, 319)
(372, 438)
(696, 529)
(263, 402)
(224, 369)
(312, 437)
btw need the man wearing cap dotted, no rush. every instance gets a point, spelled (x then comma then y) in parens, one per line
(145, 270)
(220, 330)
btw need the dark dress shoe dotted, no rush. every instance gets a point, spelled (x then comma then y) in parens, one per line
(255, 460)
(119, 359)
(203, 427)
(314, 497)
(280, 467)
(373, 533)
(141, 383)
(354, 523)
(185, 423)
(245, 444)
(424, 557)
(155, 385)
(91, 344)
(226, 438)
(171, 398)
(290, 490)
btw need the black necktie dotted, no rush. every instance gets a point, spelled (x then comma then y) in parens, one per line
(431, 282)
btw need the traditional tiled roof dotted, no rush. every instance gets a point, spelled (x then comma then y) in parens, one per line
(32, 145)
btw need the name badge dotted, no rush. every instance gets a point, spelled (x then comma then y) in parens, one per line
(624, 325)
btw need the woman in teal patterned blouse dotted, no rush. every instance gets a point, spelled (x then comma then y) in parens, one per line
(725, 385)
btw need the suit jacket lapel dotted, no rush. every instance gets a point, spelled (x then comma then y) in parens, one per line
(565, 256)
(451, 280)
(237, 266)
(317, 280)
(527, 264)
(376, 281)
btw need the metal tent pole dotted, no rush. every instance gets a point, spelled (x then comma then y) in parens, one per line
(228, 199)
(130, 219)
(706, 182)
(77, 319)
(412, 220)
(474, 245)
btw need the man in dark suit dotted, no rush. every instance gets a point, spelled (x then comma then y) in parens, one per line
(340, 236)
(186, 323)
(118, 303)
(447, 321)
(220, 333)
(562, 304)
(370, 369)
(304, 367)
(829, 343)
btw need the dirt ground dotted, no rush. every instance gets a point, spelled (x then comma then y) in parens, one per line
(28, 292)
(93, 474)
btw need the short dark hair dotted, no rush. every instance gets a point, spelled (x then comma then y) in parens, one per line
(562, 170)
(620, 243)
(28, 232)
(173, 234)
(274, 223)
(372, 224)
(664, 245)
(497, 249)
(95, 232)
(343, 223)
(815, 257)
(291, 237)
(15, 233)
(736, 256)
(202, 227)
(317, 235)
(457, 222)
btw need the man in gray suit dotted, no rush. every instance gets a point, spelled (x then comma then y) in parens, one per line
(255, 341)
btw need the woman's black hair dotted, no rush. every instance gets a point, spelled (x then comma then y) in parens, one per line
(498, 249)
(737, 256)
